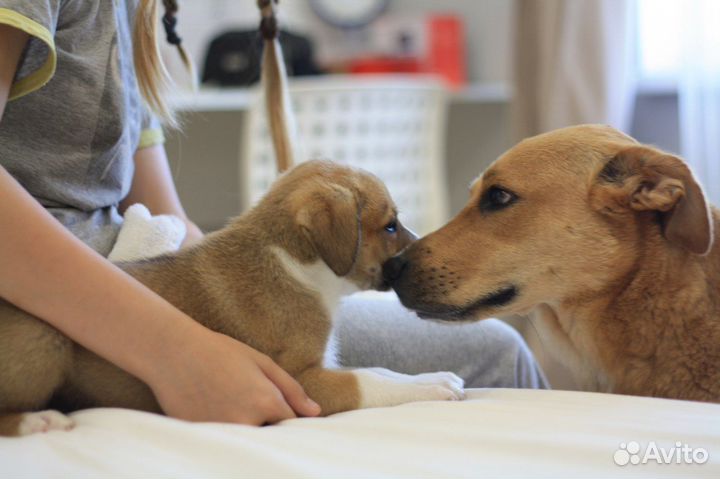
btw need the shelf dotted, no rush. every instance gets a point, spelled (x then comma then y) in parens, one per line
(214, 99)
(240, 99)
(482, 93)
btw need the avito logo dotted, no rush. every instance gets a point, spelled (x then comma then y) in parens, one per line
(632, 453)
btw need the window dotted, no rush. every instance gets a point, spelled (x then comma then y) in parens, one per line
(659, 41)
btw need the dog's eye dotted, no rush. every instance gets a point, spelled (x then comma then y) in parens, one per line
(391, 227)
(500, 197)
(496, 198)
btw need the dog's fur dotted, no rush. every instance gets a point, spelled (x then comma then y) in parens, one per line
(270, 279)
(609, 245)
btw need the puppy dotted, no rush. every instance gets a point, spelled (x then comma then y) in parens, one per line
(270, 279)
(608, 245)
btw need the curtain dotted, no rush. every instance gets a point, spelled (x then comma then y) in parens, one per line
(699, 92)
(574, 63)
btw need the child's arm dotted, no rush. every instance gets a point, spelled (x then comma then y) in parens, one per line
(153, 186)
(195, 373)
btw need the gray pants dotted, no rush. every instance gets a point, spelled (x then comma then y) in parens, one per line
(375, 330)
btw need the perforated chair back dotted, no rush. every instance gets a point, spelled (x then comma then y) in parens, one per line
(394, 128)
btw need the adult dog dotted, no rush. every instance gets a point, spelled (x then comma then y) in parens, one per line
(610, 247)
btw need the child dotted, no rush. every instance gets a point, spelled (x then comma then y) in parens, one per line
(77, 146)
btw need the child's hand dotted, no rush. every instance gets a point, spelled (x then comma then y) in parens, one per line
(218, 379)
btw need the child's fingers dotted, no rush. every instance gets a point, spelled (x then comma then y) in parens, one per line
(291, 390)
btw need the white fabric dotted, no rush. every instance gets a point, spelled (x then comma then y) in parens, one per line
(144, 236)
(500, 432)
(699, 92)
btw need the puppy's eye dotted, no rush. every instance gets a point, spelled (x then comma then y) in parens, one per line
(496, 198)
(391, 227)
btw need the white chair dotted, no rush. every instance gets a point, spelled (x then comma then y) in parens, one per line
(391, 126)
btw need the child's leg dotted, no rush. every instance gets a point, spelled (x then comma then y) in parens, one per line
(376, 330)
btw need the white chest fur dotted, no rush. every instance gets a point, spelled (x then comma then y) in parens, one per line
(321, 280)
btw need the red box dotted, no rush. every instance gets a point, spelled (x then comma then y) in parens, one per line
(432, 44)
(446, 49)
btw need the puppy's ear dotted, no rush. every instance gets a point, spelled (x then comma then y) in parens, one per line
(330, 218)
(640, 178)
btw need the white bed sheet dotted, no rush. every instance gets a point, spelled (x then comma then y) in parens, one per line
(496, 433)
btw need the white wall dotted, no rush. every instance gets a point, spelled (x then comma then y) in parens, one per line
(487, 28)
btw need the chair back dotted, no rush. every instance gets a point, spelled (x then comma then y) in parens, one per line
(393, 127)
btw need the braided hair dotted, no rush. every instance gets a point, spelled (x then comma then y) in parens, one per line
(169, 21)
(274, 83)
(153, 78)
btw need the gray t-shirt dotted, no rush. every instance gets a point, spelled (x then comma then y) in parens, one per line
(76, 117)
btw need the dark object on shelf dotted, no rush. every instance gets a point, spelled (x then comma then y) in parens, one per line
(233, 58)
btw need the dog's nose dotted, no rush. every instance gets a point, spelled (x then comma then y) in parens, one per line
(393, 268)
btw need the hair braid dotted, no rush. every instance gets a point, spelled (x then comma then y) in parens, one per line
(274, 82)
(169, 21)
(153, 78)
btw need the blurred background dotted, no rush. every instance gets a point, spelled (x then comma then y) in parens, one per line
(427, 93)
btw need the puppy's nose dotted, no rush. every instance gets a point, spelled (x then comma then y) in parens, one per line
(393, 268)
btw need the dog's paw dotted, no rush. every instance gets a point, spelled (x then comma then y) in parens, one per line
(445, 380)
(44, 421)
(382, 387)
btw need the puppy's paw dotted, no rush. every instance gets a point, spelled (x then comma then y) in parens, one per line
(446, 380)
(428, 392)
(44, 421)
(382, 387)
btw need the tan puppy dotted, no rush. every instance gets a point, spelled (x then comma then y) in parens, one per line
(606, 243)
(270, 279)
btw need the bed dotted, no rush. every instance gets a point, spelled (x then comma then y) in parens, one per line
(495, 432)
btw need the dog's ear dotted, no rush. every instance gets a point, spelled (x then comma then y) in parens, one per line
(640, 178)
(330, 219)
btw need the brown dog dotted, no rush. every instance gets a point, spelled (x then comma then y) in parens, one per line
(270, 279)
(606, 243)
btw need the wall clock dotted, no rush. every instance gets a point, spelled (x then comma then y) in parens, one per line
(349, 14)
